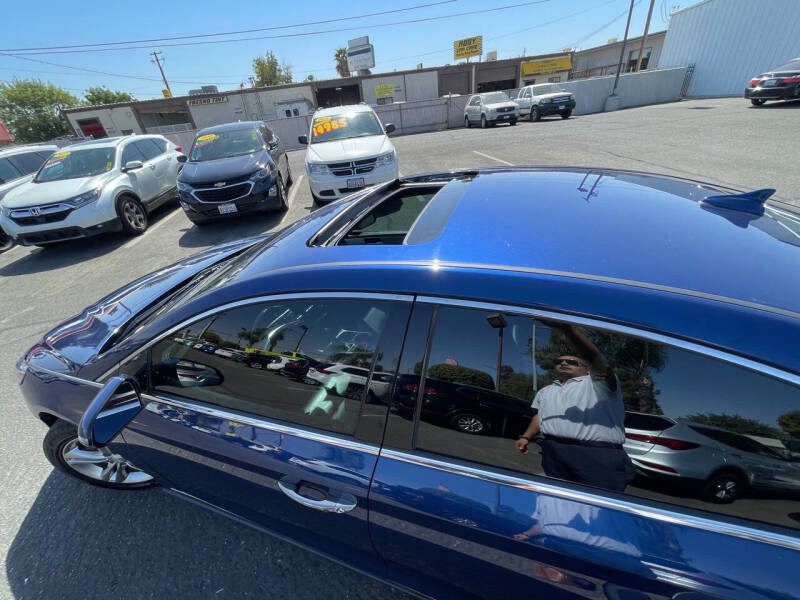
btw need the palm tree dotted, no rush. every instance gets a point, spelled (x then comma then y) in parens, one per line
(340, 57)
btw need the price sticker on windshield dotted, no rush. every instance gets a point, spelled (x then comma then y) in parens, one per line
(206, 139)
(55, 159)
(323, 125)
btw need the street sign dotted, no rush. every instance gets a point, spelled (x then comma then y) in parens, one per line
(472, 46)
(492, 55)
(553, 65)
(360, 58)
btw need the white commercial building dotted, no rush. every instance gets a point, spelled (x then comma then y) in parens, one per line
(731, 41)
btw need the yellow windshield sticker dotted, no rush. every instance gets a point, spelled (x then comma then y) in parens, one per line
(205, 139)
(323, 125)
(108, 166)
(56, 158)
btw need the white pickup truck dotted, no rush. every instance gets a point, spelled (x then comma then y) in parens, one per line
(544, 99)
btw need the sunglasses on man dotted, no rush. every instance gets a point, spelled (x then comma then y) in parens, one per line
(570, 361)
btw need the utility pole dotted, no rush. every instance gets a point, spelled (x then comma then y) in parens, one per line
(622, 51)
(157, 58)
(644, 37)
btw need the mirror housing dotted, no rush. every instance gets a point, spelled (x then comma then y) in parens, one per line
(389, 127)
(303, 139)
(182, 158)
(114, 406)
(132, 165)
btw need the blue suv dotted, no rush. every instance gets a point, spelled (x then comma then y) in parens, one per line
(480, 340)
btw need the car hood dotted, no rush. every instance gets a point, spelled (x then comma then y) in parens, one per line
(35, 194)
(79, 339)
(496, 105)
(555, 95)
(349, 149)
(10, 185)
(222, 169)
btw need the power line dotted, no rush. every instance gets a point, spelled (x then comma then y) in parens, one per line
(292, 35)
(205, 35)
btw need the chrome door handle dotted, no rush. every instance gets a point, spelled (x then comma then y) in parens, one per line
(344, 503)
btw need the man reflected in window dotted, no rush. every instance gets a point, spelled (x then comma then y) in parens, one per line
(581, 417)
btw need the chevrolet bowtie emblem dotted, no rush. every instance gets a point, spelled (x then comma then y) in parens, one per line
(219, 184)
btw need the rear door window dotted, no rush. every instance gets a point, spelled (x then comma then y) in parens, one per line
(28, 162)
(131, 153)
(148, 148)
(8, 172)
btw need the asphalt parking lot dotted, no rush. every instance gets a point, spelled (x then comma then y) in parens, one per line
(60, 538)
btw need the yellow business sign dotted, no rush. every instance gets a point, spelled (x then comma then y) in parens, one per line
(467, 47)
(384, 90)
(553, 65)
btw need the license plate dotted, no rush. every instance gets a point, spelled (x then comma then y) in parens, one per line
(769, 83)
(225, 209)
(561, 107)
(354, 184)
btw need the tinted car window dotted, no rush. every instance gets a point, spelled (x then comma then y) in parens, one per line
(225, 360)
(8, 172)
(148, 148)
(160, 144)
(28, 162)
(132, 152)
(671, 425)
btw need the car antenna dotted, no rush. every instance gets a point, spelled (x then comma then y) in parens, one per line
(751, 202)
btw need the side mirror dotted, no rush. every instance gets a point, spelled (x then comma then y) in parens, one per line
(273, 144)
(182, 158)
(132, 165)
(114, 406)
(303, 139)
(389, 127)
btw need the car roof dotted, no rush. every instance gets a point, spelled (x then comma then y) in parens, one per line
(338, 110)
(231, 127)
(108, 142)
(29, 148)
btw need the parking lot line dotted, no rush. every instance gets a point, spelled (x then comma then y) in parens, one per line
(295, 187)
(500, 160)
(139, 238)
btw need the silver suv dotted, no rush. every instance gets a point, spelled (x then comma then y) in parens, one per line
(110, 184)
(545, 99)
(17, 166)
(489, 109)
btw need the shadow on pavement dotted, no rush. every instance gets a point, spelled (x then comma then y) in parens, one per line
(779, 105)
(68, 253)
(79, 542)
(234, 228)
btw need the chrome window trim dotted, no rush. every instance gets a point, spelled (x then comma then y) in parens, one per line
(255, 300)
(629, 507)
(262, 423)
(65, 376)
(623, 329)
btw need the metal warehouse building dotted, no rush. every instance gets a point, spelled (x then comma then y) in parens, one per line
(730, 41)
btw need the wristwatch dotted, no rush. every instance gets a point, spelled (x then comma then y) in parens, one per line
(522, 437)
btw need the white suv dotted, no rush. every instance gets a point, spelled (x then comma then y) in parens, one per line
(17, 166)
(348, 149)
(91, 187)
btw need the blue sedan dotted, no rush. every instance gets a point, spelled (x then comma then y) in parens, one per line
(550, 382)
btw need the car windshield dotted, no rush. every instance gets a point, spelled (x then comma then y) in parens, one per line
(792, 65)
(495, 98)
(546, 88)
(8, 171)
(73, 164)
(224, 144)
(346, 125)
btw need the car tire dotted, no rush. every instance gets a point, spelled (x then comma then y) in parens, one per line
(535, 116)
(282, 195)
(513, 122)
(467, 422)
(566, 114)
(97, 467)
(483, 122)
(466, 122)
(132, 215)
(289, 178)
(6, 241)
(722, 488)
(757, 101)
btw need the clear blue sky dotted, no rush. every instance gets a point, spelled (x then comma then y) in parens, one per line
(540, 28)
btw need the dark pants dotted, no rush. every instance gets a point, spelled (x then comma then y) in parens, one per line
(608, 468)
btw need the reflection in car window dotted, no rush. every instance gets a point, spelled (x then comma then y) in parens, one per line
(283, 360)
(345, 125)
(391, 220)
(131, 153)
(73, 164)
(8, 172)
(148, 148)
(665, 423)
(495, 97)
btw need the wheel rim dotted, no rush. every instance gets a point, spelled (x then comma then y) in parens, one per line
(534, 114)
(466, 121)
(282, 191)
(102, 465)
(256, 365)
(483, 121)
(469, 424)
(725, 489)
(134, 215)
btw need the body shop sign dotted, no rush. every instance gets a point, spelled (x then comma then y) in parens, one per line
(472, 46)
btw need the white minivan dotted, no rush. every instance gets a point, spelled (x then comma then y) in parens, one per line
(348, 149)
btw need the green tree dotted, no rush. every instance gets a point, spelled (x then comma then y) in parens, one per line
(310, 78)
(790, 423)
(103, 95)
(736, 424)
(459, 374)
(340, 58)
(268, 71)
(31, 109)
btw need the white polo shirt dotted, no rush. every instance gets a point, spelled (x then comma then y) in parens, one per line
(581, 409)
